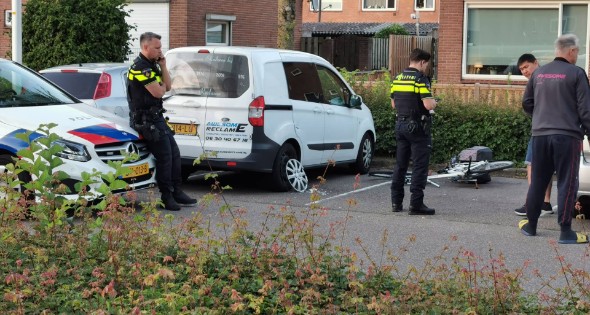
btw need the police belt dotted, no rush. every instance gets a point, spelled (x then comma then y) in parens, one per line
(409, 117)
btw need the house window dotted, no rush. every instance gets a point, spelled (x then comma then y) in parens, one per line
(218, 33)
(425, 5)
(378, 4)
(495, 37)
(327, 5)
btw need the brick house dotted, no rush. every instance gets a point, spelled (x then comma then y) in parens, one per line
(480, 40)
(194, 22)
(373, 11)
(342, 31)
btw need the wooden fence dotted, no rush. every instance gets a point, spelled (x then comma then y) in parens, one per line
(378, 53)
(499, 95)
(400, 47)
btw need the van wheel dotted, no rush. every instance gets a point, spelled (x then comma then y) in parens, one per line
(365, 155)
(287, 171)
(24, 177)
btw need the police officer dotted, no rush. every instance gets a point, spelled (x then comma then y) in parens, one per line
(148, 80)
(411, 96)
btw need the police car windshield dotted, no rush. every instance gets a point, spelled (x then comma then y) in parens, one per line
(21, 87)
(210, 75)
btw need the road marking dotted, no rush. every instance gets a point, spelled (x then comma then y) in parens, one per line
(348, 193)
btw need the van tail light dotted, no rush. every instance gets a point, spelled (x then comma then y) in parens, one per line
(103, 88)
(256, 112)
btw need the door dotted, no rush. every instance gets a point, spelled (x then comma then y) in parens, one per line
(341, 122)
(308, 110)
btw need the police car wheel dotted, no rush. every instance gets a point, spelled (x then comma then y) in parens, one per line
(364, 155)
(24, 177)
(287, 171)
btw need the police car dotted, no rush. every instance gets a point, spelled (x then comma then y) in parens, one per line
(266, 110)
(90, 137)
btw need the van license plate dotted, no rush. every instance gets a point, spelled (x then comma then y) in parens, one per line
(185, 129)
(138, 170)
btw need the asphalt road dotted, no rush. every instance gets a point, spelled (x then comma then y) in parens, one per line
(480, 220)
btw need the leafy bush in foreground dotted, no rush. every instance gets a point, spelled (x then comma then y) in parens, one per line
(120, 261)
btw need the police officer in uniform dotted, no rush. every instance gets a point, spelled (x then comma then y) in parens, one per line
(148, 80)
(411, 97)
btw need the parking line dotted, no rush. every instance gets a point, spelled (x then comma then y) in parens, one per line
(348, 193)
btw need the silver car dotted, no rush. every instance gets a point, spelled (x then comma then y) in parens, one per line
(101, 85)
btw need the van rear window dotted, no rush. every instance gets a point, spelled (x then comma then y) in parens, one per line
(210, 75)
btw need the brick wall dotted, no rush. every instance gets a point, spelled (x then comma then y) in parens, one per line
(256, 22)
(352, 12)
(450, 42)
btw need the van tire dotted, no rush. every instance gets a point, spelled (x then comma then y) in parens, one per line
(287, 171)
(365, 155)
(25, 177)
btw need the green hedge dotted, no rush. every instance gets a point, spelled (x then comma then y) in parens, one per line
(457, 125)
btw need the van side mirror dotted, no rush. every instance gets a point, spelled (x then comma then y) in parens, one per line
(356, 101)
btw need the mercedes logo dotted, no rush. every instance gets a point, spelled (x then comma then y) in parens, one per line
(132, 148)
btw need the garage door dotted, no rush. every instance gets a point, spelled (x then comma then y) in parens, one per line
(148, 17)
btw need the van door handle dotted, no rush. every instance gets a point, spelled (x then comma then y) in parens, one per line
(317, 110)
(330, 111)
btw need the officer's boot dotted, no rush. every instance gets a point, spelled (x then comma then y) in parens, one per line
(169, 201)
(182, 198)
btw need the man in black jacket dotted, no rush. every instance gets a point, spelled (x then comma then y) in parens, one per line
(558, 98)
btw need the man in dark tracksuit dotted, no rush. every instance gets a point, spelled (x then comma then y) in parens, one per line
(558, 98)
(148, 81)
(411, 96)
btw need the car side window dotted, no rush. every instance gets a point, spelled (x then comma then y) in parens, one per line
(334, 90)
(303, 82)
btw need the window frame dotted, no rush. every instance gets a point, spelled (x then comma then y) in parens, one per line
(226, 28)
(325, 9)
(478, 4)
(424, 9)
(364, 8)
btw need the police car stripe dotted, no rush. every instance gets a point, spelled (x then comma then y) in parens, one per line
(104, 133)
(12, 144)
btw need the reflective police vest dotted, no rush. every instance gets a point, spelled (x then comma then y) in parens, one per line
(407, 90)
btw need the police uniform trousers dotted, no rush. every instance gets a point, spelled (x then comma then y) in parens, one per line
(167, 154)
(414, 145)
(559, 154)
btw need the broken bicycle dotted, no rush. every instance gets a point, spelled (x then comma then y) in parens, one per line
(467, 172)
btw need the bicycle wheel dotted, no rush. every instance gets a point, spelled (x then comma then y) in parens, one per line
(491, 166)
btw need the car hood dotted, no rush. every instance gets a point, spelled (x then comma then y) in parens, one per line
(76, 122)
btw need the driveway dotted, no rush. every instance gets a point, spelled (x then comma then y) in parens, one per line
(468, 220)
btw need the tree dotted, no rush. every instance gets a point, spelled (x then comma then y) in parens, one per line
(57, 32)
(394, 29)
(287, 23)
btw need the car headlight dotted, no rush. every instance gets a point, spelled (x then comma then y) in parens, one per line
(72, 150)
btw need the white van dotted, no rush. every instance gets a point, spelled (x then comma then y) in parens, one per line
(265, 110)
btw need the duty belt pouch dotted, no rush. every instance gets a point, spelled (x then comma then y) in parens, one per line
(426, 124)
(412, 126)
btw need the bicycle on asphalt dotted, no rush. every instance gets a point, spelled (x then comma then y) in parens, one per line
(466, 172)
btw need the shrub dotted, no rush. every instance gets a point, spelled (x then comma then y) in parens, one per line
(456, 125)
(119, 261)
(393, 29)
